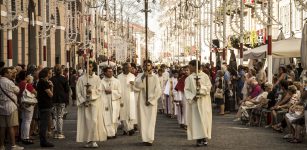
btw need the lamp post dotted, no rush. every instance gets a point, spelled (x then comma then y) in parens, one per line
(47, 26)
(71, 29)
(146, 10)
(14, 19)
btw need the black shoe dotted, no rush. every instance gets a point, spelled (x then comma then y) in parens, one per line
(199, 143)
(147, 144)
(125, 133)
(135, 127)
(111, 137)
(47, 144)
(205, 142)
(181, 126)
(131, 132)
(27, 142)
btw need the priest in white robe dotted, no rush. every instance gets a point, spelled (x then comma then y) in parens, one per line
(134, 71)
(111, 92)
(172, 93)
(128, 110)
(181, 116)
(199, 114)
(148, 107)
(161, 101)
(90, 123)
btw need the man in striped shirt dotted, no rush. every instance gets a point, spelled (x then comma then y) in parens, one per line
(8, 108)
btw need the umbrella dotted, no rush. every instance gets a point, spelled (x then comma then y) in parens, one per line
(304, 47)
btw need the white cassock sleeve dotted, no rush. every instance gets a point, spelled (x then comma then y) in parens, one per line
(156, 93)
(116, 91)
(79, 91)
(139, 84)
(205, 86)
(96, 92)
(189, 92)
(167, 88)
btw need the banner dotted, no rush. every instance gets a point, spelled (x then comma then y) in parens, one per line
(121, 47)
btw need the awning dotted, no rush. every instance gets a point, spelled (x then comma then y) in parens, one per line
(280, 49)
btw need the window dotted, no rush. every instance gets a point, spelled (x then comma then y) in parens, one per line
(1, 45)
(23, 46)
(47, 8)
(13, 3)
(39, 7)
(21, 5)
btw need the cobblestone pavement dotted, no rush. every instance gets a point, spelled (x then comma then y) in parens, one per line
(226, 135)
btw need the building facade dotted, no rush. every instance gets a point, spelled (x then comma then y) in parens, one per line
(27, 43)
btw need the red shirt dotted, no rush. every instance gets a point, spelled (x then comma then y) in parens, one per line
(255, 91)
(22, 86)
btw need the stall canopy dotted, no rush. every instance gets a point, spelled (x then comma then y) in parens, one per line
(280, 49)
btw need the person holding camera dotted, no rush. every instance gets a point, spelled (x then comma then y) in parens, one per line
(44, 98)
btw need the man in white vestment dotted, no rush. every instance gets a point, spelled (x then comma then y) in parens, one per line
(166, 76)
(181, 115)
(147, 112)
(90, 123)
(134, 71)
(128, 110)
(172, 94)
(111, 92)
(199, 113)
(161, 101)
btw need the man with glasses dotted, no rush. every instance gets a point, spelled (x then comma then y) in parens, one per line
(111, 94)
(8, 108)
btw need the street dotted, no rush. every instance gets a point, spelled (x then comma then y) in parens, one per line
(226, 134)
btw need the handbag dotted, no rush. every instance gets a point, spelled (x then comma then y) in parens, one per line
(28, 97)
(219, 93)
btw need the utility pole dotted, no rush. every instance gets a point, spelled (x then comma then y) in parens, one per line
(9, 35)
(270, 58)
(13, 20)
(146, 44)
(178, 37)
(224, 31)
(211, 29)
(241, 30)
(44, 34)
(96, 35)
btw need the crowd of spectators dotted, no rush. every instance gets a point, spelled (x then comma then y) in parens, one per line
(33, 102)
(246, 90)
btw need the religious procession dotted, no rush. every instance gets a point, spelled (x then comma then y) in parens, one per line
(153, 74)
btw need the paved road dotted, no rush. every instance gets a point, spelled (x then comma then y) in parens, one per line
(226, 135)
